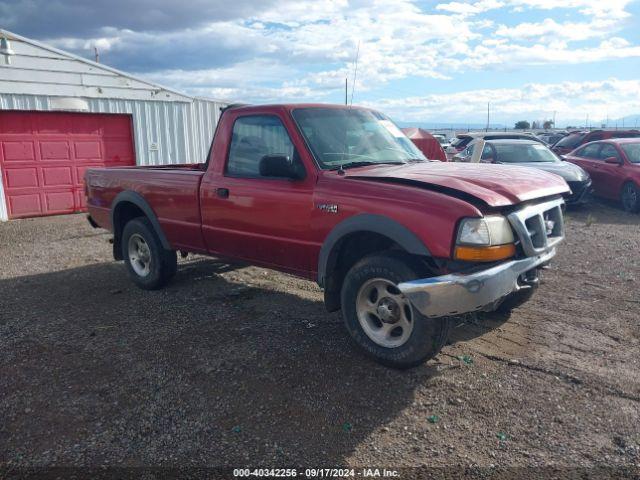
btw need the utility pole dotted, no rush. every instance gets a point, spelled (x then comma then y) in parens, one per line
(554, 119)
(488, 106)
(97, 56)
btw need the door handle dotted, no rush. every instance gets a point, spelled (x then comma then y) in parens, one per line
(222, 192)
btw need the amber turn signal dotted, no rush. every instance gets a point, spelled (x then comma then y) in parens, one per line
(485, 254)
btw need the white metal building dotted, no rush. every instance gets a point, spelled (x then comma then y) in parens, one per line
(60, 113)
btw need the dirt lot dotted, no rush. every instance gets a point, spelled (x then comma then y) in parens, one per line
(243, 366)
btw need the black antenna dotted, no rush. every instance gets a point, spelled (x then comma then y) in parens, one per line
(346, 90)
(355, 73)
(341, 170)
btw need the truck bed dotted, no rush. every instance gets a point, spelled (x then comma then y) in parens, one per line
(172, 192)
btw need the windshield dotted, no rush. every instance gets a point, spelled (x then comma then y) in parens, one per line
(460, 142)
(345, 136)
(570, 141)
(632, 151)
(523, 153)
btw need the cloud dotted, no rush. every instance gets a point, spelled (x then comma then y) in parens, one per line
(470, 8)
(303, 49)
(51, 18)
(396, 40)
(571, 101)
(497, 53)
(593, 8)
(549, 30)
(221, 44)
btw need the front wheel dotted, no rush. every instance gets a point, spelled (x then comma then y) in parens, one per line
(630, 197)
(382, 321)
(149, 265)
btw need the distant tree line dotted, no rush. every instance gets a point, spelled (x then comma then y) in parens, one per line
(524, 125)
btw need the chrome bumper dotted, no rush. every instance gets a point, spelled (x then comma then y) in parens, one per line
(459, 293)
(539, 229)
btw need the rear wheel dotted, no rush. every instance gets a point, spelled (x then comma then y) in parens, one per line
(630, 197)
(382, 321)
(149, 265)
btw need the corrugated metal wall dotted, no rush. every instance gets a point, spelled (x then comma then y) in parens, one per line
(164, 132)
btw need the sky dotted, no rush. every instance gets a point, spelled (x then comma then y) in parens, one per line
(427, 62)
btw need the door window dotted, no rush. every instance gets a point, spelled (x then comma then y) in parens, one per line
(254, 137)
(589, 151)
(487, 153)
(469, 150)
(609, 151)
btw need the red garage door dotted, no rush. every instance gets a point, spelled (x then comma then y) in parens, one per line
(43, 157)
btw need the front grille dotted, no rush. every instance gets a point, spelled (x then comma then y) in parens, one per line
(539, 227)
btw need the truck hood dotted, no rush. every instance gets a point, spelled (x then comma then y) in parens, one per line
(496, 185)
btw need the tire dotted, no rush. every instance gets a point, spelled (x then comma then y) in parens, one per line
(370, 285)
(149, 265)
(630, 197)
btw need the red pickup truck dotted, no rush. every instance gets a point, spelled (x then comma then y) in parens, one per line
(339, 195)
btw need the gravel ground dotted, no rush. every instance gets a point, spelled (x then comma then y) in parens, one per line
(240, 366)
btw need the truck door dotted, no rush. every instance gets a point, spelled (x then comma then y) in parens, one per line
(612, 176)
(264, 220)
(588, 157)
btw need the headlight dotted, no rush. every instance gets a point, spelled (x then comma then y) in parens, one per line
(487, 239)
(492, 230)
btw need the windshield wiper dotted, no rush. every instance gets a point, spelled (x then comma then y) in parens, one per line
(363, 163)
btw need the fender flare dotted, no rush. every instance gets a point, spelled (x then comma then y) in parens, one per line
(139, 201)
(367, 223)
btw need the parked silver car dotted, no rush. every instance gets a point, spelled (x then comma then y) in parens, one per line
(461, 141)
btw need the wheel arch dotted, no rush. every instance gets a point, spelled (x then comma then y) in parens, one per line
(630, 180)
(127, 205)
(370, 233)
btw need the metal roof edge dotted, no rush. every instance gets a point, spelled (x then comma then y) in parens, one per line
(44, 46)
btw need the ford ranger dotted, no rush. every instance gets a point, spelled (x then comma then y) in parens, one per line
(336, 194)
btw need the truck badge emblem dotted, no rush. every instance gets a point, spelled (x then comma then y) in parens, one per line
(328, 207)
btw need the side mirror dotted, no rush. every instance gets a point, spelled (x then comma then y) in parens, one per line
(279, 166)
(613, 160)
(563, 157)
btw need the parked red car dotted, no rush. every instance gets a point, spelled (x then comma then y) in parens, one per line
(341, 196)
(426, 143)
(578, 138)
(614, 167)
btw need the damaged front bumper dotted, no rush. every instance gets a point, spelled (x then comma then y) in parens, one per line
(458, 293)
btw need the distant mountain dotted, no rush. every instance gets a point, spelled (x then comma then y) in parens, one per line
(450, 126)
(630, 121)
